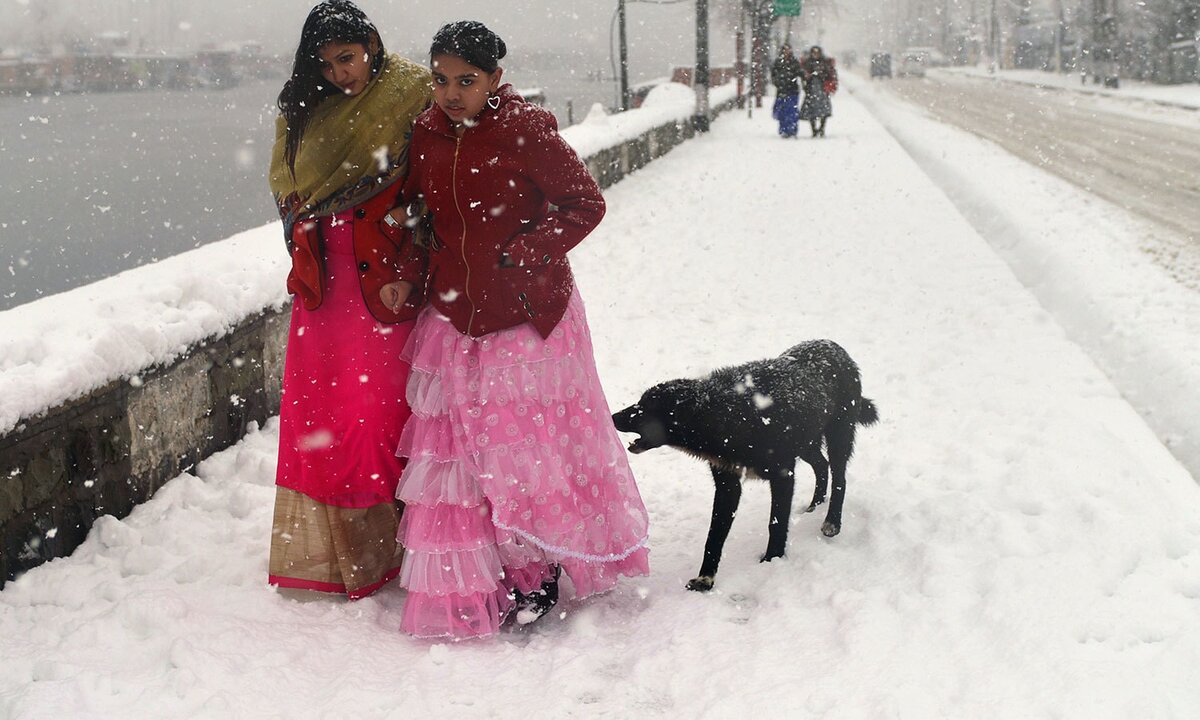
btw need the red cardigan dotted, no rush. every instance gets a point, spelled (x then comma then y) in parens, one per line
(509, 188)
(382, 255)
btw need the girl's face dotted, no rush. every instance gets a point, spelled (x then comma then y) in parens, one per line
(346, 65)
(459, 88)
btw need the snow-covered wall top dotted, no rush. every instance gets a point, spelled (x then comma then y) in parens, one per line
(64, 346)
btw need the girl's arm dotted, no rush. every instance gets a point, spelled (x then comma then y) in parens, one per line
(576, 205)
(412, 260)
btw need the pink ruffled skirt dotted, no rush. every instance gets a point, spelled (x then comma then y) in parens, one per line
(514, 466)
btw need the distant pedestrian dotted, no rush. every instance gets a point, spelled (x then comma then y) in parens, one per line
(515, 470)
(339, 160)
(785, 76)
(819, 74)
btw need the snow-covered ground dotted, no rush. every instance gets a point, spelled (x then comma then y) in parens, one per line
(1183, 96)
(1089, 262)
(1017, 541)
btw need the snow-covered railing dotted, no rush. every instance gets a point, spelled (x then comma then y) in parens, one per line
(109, 390)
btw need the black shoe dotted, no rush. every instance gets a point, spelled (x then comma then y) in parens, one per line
(539, 602)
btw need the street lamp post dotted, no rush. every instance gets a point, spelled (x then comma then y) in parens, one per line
(994, 38)
(753, 11)
(739, 65)
(700, 79)
(624, 54)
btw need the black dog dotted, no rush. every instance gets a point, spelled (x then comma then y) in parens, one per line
(756, 419)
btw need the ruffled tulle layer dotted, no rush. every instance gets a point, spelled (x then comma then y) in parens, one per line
(514, 467)
(504, 368)
(570, 505)
(455, 617)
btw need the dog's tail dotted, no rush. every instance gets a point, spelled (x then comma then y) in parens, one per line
(867, 413)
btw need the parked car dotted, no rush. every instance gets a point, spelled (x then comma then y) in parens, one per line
(913, 63)
(933, 56)
(881, 64)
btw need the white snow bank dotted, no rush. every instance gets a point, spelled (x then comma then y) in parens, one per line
(666, 103)
(1016, 542)
(1083, 258)
(63, 346)
(1183, 96)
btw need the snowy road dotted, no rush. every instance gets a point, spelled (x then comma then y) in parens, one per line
(1142, 158)
(1016, 541)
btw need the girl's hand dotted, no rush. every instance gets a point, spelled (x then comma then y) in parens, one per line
(395, 219)
(404, 216)
(394, 294)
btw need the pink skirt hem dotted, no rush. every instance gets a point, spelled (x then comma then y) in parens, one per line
(513, 467)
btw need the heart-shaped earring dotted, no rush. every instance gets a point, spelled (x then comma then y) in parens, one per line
(493, 101)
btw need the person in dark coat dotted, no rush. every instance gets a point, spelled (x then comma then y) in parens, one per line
(819, 75)
(785, 75)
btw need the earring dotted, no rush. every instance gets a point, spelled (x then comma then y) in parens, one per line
(493, 101)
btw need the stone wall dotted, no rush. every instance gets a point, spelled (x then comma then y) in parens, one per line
(104, 453)
(611, 165)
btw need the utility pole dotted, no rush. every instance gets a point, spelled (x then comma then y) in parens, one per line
(624, 55)
(758, 49)
(1105, 43)
(945, 13)
(760, 15)
(994, 38)
(700, 78)
(1059, 29)
(739, 43)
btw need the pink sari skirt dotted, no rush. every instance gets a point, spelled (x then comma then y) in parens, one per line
(514, 466)
(340, 419)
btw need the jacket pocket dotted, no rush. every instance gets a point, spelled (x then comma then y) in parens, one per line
(538, 289)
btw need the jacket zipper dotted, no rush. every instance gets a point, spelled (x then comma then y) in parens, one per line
(462, 245)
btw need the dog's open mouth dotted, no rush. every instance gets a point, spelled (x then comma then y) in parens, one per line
(638, 446)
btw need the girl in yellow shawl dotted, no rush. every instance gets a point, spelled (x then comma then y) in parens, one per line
(340, 153)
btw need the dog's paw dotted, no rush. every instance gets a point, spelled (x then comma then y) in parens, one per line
(769, 556)
(700, 584)
(829, 529)
(813, 505)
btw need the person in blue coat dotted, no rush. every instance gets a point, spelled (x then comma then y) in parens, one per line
(785, 76)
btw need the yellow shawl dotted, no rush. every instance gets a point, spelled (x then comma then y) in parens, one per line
(353, 147)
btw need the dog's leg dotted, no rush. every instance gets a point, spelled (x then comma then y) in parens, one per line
(839, 439)
(820, 467)
(725, 504)
(783, 485)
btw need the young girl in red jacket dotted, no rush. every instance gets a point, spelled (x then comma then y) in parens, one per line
(515, 473)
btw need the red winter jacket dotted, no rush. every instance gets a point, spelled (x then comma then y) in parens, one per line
(382, 258)
(510, 186)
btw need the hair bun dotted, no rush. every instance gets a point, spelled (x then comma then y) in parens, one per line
(472, 41)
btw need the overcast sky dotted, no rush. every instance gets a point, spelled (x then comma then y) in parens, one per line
(659, 34)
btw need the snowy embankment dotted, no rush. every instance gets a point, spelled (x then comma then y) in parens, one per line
(64, 346)
(1083, 259)
(1181, 96)
(1016, 542)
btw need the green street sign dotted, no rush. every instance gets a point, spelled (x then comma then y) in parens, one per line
(787, 8)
